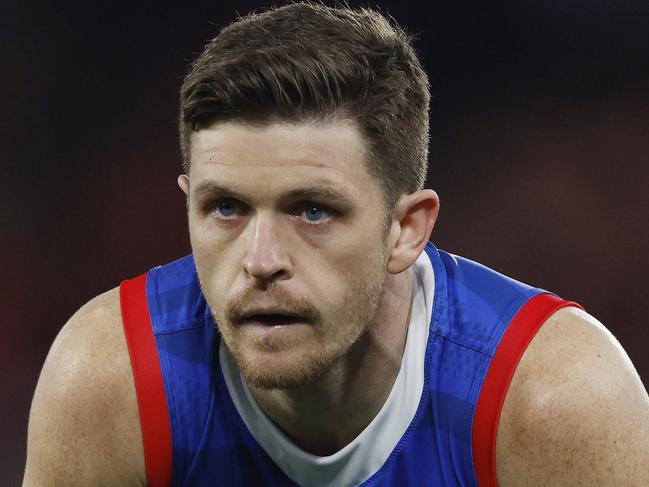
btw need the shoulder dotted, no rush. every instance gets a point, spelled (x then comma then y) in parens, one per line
(576, 412)
(84, 423)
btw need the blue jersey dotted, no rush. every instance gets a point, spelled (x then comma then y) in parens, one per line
(193, 435)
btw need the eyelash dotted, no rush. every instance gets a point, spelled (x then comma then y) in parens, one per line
(214, 206)
(301, 207)
(309, 206)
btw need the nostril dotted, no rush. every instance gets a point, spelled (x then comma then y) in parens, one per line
(267, 269)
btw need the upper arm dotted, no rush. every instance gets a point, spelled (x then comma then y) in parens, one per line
(576, 412)
(84, 424)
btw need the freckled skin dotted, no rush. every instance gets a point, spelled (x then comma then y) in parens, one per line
(268, 248)
(84, 423)
(262, 248)
(576, 412)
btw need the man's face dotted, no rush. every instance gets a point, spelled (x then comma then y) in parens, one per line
(287, 230)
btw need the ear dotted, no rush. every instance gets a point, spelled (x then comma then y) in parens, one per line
(183, 182)
(415, 216)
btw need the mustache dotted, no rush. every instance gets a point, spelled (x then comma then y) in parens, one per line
(237, 306)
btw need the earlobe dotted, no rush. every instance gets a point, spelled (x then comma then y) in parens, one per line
(416, 213)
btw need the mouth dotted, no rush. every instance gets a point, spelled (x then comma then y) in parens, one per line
(271, 319)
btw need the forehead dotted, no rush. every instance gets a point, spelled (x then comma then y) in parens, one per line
(331, 152)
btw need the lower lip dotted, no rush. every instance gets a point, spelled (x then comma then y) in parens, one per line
(269, 327)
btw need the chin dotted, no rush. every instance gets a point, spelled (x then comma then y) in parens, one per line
(281, 370)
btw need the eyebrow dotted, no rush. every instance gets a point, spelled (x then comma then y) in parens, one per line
(210, 188)
(324, 193)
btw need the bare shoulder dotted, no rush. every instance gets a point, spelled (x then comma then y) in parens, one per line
(576, 412)
(84, 423)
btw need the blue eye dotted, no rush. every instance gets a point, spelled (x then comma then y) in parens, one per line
(226, 208)
(315, 214)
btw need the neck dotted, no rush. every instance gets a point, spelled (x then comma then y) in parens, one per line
(328, 414)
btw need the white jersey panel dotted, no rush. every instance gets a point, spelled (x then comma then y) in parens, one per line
(365, 455)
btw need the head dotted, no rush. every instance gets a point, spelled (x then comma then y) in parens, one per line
(304, 134)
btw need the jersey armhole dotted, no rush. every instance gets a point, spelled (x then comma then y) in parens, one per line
(513, 344)
(149, 386)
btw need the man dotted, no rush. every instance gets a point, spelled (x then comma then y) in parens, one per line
(314, 337)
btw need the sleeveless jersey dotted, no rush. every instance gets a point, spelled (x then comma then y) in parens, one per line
(193, 435)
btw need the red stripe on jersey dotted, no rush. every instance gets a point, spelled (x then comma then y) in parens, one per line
(149, 388)
(513, 344)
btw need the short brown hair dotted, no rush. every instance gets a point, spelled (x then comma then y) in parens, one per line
(307, 61)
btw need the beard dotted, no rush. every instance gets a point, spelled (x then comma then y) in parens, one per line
(293, 360)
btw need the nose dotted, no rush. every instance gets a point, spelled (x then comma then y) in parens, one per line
(267, 258)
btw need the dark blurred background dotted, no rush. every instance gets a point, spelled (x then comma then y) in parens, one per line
(539, 151)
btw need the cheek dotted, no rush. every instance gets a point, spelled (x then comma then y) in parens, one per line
(217, 248)
(337, 278)
(218, 269)
(208, 234)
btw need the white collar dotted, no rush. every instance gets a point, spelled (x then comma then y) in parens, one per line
(366, 453)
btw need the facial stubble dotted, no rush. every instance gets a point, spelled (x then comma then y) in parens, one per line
(331, 339)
